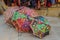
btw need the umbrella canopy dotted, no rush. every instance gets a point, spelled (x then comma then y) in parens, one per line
(10, 11)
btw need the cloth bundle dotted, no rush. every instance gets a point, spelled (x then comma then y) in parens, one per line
(53, 1)
(26, 20)
(10, 2)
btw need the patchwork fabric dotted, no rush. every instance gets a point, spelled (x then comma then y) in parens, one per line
(40, 26)
(42, 19)
(22, 22)
(39, 29)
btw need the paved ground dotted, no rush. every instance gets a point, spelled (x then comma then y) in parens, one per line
(9, 33)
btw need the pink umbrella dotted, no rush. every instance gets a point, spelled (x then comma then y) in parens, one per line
(9, 12)
(28, 11)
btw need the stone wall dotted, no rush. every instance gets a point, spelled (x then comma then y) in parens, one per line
(50, 12)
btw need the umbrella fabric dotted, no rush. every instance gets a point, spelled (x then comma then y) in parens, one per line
(28, 11)
(22, 22)
(25, 20)
(9, 12)
(40, 28)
